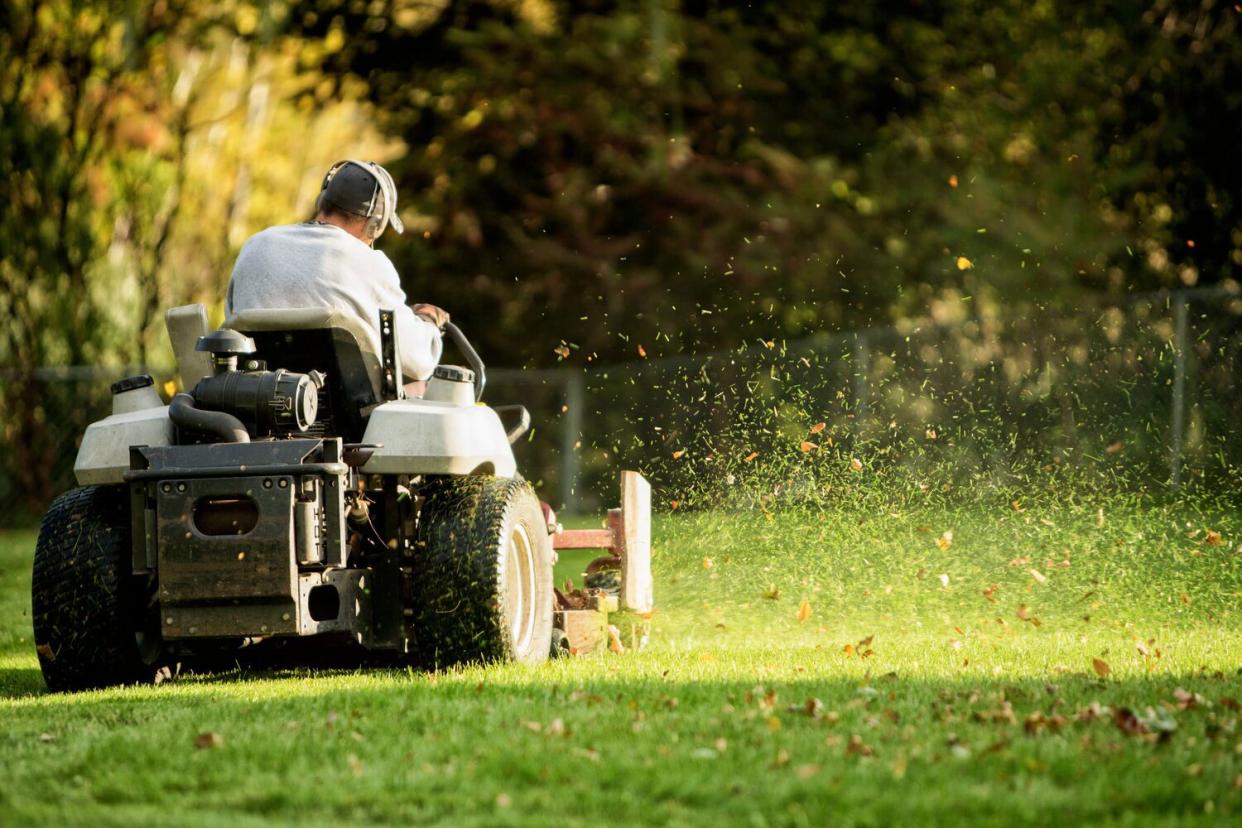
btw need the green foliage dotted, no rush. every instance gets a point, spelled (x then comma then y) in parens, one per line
(585, 179)
(608, 171)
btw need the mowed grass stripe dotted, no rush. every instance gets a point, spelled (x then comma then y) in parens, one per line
(738, 712)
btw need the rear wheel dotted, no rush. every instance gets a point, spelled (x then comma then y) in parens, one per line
(95, 623)
(482, 573)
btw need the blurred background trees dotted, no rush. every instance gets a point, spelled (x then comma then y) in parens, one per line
(581, 177)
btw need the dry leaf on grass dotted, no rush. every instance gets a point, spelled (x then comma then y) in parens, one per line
(1101, 667)
(208, 740)
(804, 611)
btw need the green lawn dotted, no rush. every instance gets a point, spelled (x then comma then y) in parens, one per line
(970, 692)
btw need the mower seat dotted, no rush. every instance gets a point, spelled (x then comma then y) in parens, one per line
(326, 340)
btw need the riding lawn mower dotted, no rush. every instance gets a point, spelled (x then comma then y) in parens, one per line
(293, 493)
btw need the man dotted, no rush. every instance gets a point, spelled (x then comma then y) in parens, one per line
(330, 262)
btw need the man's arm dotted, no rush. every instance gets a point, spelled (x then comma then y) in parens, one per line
(419, 344)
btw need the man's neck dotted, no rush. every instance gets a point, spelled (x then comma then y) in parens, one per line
(350, 226)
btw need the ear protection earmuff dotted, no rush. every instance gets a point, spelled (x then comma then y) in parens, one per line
(385, 193)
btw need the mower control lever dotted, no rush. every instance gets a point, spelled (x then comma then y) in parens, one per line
(523, 420)
(471, 355)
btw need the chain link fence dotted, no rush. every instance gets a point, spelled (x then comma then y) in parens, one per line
(1140, 395)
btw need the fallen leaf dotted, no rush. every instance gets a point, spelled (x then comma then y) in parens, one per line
(1212, 538)
(1113, 448)
(674, 504)
(708, 563)
(562, 351)
(750, 457)
(807, 446)
(614, 639)
(857, 747)
(953, 181)
(772, 593)
(818, 427)
(848, 649)
(1038, 576)
(964, 263)
(1186, 699)
(1101, 667)
(642, 352)
(587, 753)
(208, 740)
(678, 454)
(856, 464)
(945, 540)
(804, 611)
(1127, 722)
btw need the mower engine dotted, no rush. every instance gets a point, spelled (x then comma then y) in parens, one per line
(256, 401)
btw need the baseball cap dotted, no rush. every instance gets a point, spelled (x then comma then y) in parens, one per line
(363, 188)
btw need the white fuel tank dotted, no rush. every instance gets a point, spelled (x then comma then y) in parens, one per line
(433, 437)
(103, 457)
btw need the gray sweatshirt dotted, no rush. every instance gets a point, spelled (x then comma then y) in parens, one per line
(321, 265)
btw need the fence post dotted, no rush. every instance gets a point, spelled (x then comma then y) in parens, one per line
(571, 433)
(1180, 314)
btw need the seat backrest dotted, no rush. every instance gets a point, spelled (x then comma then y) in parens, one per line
(326, 340)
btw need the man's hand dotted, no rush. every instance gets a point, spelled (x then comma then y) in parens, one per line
(436, 316)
